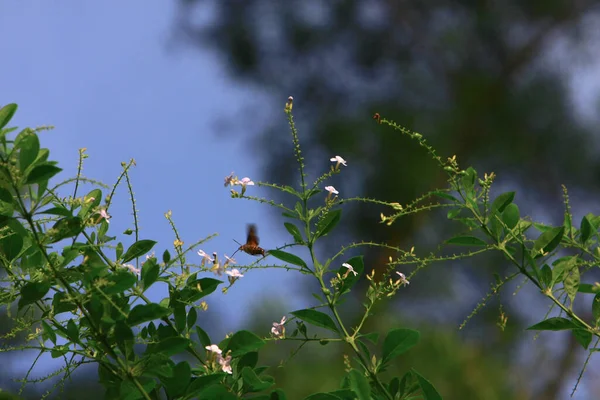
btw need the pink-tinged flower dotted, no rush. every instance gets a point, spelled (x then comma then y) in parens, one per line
(205, 256)
(132, 268)
(229, 261)
(105, 215)
(235, 273)
(331, 190)
(350, 269)
(213, 348)
(230, 180)
(403, 279)
(225, 363)
(338, 160)
(278, 329)
(246, 182)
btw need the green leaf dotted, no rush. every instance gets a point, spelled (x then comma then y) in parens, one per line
(138, 249)
(196, 289)
(178, 383)
(150, 271)
(119, 251)
(288, 257)
(243, 342)
(11, 246)
(583, 337)
(166, 257)
(201, 383)
(502, 201)
(468, 181)
(372, 337)
(553, 324)
(444, 195)
(216, 392)
(466, 241)
(294, 231)
(548, 240)
(192, 316)
(359, 385)
(588, 288)
(169, 346)
(6, 113)
(316, 318)
(60, 304)
(585, 229)
(32, 292)
(203, 336)
(328, 222)
(248, 360)
(119, 282)
(29, 145)
(123, 332)
(65, 228)
(48, 332)
(60, 211)
(511, 215)
(429, 392)
(596, 309)
(546, 276)
(41, 173)
(397, 342)
(393, 386)
(571, 281)
(72, 331)
(322, 396)
(146, 312)
(253, 382)
(562, 265)
(180, 317)
(276, 394)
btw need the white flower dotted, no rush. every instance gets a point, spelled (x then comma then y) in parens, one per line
(403, 279)
(213, 348)
(331, 189)
(278, 330)
(229, 261)
(246, 182)
(338, 160)
(230, 180)
(132, 268)
(105, 215)
(205, 256)
(234, 273)
(350, 269)
(225, 364)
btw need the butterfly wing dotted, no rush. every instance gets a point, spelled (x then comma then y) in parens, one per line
(252, 238)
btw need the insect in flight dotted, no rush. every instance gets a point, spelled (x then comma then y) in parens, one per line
(251, 247)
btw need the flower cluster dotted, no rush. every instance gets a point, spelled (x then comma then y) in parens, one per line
(278, 329)
(231, 180)
(217, 354)
(218, 268)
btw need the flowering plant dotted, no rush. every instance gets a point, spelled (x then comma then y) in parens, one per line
(81, 295)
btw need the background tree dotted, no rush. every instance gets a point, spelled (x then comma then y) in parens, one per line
(479, 79)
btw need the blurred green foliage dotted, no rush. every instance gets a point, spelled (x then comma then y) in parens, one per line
(480, 80)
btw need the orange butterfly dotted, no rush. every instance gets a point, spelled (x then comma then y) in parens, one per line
(251, 247)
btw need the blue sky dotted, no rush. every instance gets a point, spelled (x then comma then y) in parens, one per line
(114, 79)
